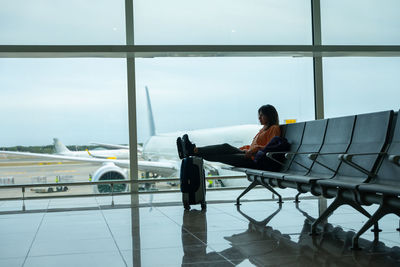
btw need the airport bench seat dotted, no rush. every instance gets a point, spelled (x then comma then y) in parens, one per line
(352, 158)
(343, 182)
(311, 142)
(294, 134)
(302, 144)
(385, 185)
(389, 190)
(307, 179)
(337, 141)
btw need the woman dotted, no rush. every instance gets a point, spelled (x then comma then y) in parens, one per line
(239, 157)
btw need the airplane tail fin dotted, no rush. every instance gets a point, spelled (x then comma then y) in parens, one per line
(150, 114)
(59, 147)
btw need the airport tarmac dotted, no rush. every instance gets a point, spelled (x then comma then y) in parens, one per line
(28, 171)
(31, 170)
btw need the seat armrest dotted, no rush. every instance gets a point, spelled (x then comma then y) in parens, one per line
(269, 155)
(349, 156)
(325, 153)
(301, 153)
(346, 157)
(278, 152)
(395, 159)
(312, 156)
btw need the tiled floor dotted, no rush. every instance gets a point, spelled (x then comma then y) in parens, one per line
(168, 236)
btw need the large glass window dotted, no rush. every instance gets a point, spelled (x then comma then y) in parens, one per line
(216, 100)
(360, 22)
(222, 22)
(54, 22)
(77, 101)
(196, 93)
(360, 85)
(83, 100)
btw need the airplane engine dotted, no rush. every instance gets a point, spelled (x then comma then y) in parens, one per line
(110, 172)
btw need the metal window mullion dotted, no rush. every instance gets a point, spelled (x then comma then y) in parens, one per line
(146, 51)
(317, 59)
(318, 76)
(130, 72)
(131, 83)
(318, 88)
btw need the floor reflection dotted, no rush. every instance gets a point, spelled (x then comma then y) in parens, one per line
(264, 246)
(260, 233)
(195, 221)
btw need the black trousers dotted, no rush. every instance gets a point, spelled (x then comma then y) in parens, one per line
(225, 153)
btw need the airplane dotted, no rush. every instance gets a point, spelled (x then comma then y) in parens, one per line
(159, 152)
(112, 146)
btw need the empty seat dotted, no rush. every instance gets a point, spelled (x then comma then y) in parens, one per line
(387, 180)
(337, 140)
(369, 138)
(385, 185)
(368, 142)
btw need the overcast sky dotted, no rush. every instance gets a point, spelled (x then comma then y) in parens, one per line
(83, 100)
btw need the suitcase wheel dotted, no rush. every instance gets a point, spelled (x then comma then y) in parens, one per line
(186, 206)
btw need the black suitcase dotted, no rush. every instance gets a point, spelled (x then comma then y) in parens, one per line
(193, 186)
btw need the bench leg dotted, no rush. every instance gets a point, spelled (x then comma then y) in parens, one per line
(382, 211)
(251, 186)
(296, 198)
(273, 191)
(339, 201)
(360, 209)
(332, 207)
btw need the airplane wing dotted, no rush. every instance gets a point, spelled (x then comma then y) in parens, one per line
(165, 167)
(120, 163)
(110, 145)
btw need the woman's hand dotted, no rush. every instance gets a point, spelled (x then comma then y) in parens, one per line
(247, 153)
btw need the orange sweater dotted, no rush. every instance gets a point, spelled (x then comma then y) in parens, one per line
(262, 139)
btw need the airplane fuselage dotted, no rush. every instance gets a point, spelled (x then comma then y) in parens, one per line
(163, 146)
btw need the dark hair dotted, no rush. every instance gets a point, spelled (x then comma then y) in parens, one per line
(270, 112)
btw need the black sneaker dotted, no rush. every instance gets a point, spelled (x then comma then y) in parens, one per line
(179, 146)
(188, 147)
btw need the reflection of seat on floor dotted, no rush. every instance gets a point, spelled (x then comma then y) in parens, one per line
(334, 247)
(263, 245)
(263, 222)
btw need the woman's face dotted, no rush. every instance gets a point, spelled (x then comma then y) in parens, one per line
(262, 118)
